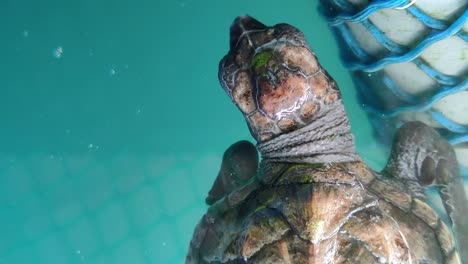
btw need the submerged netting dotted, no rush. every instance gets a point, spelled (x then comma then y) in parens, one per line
(409, 62)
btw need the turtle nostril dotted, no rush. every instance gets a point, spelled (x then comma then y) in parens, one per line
(243, 24)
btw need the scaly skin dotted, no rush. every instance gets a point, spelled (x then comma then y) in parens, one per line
(421, 157)
(312, 199)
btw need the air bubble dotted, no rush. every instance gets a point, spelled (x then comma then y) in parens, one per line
(58, 52)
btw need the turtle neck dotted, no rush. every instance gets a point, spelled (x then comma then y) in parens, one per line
(327, 139)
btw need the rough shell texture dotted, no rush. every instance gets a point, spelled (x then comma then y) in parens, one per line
(339, 213)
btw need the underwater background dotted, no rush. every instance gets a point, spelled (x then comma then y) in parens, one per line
(113, 123)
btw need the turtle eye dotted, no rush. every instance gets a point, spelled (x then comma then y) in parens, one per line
(226, 73)
(237, 83)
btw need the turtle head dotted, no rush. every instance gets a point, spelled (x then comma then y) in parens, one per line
(274, 78)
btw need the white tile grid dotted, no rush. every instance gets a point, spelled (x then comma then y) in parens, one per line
(88, 214)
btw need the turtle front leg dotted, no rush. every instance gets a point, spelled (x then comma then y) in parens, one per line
(240, 163)
(421, 157)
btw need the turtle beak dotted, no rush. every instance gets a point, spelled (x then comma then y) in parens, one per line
(241, 25)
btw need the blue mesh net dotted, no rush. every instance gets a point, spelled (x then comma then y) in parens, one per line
(387, 103)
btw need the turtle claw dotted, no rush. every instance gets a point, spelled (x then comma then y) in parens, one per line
(240, 163)
(421, 157)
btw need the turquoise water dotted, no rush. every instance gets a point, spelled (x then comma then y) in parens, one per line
(113, 123)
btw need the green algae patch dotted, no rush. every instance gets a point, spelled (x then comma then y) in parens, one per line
(259, 208)
(310, 166)
(301, 173)
(261, 59)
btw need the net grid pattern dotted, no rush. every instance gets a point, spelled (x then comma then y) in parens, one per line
(340, 12)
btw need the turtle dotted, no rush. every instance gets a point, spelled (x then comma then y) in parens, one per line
(311, 198)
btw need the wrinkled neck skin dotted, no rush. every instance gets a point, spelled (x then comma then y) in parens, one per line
(327, 139)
